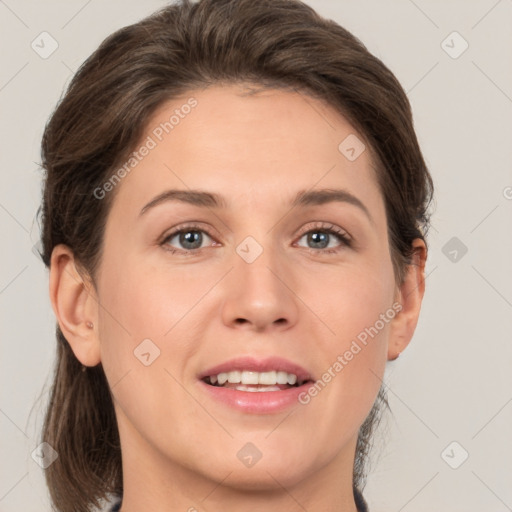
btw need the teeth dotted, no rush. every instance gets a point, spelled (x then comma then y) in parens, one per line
(222, 378)
(249, 377)
(234, 377)
(282, 378)
(267, 378)
(258, 389)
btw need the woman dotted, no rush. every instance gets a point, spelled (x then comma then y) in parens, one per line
(234, 218)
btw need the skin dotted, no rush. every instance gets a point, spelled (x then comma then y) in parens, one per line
(296, 301)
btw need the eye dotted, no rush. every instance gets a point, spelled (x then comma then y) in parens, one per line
(188, 238)
(326, 238)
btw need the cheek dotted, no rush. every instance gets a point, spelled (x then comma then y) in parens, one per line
(139, 303)
(131, 313)
(145, 301)
(353, 299)
(356, 306)
(142, 346)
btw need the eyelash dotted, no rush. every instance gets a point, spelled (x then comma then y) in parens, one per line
(330, 229)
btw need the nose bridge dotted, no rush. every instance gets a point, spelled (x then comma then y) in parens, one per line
(257, 264)
(257, 294)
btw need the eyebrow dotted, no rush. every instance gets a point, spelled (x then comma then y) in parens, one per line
(302, 198)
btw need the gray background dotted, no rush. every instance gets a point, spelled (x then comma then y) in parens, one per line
(453, 383)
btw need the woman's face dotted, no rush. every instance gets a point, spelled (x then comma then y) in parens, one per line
(261, 274)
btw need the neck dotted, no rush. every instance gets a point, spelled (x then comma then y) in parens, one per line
(153, 481)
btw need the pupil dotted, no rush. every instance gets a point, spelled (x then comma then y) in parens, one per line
(319, 238)
(189, 238)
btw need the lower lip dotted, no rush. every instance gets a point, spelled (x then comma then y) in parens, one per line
(257, 402)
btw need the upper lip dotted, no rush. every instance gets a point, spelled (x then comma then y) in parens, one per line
(258, 365)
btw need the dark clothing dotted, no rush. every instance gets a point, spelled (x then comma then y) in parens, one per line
(117, 505)
(360, 501)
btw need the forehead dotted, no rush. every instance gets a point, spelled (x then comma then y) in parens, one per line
(258, 147)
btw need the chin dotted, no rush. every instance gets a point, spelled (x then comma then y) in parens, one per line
(274, 468)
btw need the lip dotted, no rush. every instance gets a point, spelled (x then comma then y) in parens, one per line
(258, 365)
(259, 402)
(262, 402)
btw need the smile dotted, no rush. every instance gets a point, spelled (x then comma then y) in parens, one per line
(256, 386)
(252, 381)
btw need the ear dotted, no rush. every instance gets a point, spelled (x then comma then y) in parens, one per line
(75, 305)
(409, 296)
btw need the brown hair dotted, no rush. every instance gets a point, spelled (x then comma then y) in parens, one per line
(270, 43)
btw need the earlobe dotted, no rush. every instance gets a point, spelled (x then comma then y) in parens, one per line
(410, 296)
(75, 306)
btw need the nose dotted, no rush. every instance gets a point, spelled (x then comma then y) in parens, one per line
(259, 295)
